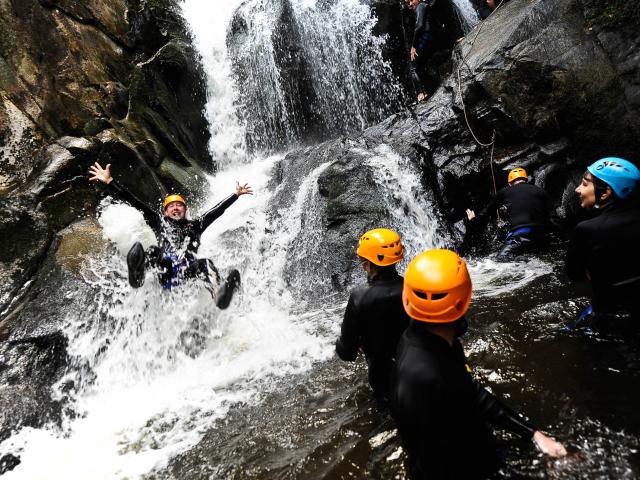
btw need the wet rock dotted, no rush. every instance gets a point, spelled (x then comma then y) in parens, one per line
(8, 462)
(27, 237)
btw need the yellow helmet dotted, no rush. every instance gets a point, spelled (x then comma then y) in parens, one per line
(437, 287)
(381, 247)
(173, 198)
(517, 173)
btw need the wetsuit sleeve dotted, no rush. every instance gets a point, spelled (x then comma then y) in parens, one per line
(421, 24)
(499, 415)
(576, 260)
(349, 342)
(209, 217)
(151, 216)
(483, 217)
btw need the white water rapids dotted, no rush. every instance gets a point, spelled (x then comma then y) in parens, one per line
(153, 370)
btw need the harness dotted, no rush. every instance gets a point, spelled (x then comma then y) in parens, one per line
(178, 265)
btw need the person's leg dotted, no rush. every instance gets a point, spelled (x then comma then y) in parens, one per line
(225, 292)
(136, 265)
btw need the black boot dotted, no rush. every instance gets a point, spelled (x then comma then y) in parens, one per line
(225, 293)
(135, 263)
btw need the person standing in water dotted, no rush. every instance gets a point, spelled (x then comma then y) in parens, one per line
(178, 239)
(603, 249)
(374, 319)
(443, 414)
(530, 213)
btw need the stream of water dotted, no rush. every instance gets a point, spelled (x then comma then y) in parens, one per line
(167, 386)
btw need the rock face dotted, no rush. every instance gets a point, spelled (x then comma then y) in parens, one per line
(113, 81)
(558, 87)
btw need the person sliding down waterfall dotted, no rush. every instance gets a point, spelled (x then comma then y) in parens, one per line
(178, 240)
(530, 213)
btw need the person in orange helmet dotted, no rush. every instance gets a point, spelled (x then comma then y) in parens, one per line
(374, 318)
(529, 214)
(178, 239)
(443, 414)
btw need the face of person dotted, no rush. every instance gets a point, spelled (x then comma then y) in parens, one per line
(587, 191)
(413, 3)
(175, 210)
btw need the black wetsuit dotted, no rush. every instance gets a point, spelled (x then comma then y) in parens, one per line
(178, 242)
(604, 249)
(443, 415)
(423, 42)
(529, 213)
(374, 320)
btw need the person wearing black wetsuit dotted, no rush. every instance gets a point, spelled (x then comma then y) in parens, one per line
(422, 45)
(443, 414)
(178, 240)
(604, 248)
(530, 214)
(374, 319)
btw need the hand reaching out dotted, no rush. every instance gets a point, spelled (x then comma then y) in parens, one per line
(548, 445)
(100, 174)
(243, 189)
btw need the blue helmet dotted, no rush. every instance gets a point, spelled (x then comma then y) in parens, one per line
(620, 174)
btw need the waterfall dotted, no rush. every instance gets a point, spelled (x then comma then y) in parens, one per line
(151, 371)
(468, 14)
(320, 66)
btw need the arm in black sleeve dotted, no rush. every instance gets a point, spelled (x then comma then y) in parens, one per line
(489, 210)
(576, 260)
(210, 216)
(349, 342)
(421, 23)
(151, 216)
(499, 415)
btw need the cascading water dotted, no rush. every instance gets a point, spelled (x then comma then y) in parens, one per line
(321, 70)
(467, 13)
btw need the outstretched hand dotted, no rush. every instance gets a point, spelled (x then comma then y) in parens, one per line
(243, 189)
(548, 445)
(100, 174)
(471, 215)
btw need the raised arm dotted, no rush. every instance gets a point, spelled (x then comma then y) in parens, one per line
(212, 215)
(103, 175)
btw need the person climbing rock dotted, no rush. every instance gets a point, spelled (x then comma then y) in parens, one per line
(178, 240)
(374, 318)
(443, 414)
(603, 249)
(529, 213)
(422, 45)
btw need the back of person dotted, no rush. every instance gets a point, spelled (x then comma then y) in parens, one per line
(459, 445)
(527, 205)
(384, 319)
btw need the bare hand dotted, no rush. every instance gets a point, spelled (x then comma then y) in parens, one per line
(491, 4)
(471, 215)
(413, 54)
(243, 189)
(100, 174)
(548, 445)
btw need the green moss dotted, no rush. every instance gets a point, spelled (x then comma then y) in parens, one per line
(612, 13)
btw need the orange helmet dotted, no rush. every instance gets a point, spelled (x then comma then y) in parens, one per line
(437, 287)
(173, 198)
(517, 173)
(381, 246)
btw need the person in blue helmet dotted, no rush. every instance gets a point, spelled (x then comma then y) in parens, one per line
(603, 249)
